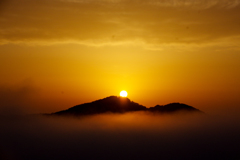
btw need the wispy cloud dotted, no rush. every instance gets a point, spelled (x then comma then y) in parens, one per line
(98, 22)
(170, 3)
(201, 4)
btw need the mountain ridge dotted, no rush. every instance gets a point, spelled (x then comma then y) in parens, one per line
(115, 104)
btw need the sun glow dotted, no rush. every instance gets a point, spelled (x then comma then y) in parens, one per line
(123, 94)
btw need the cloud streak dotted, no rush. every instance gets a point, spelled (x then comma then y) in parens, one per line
(200, 4)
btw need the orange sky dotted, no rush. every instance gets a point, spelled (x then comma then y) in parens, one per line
(58, 53)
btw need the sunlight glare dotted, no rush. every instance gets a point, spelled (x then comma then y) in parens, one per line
(123, 94)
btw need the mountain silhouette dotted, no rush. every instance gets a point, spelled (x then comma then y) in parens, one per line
(114, 104)
(111, 104)
(172, 107)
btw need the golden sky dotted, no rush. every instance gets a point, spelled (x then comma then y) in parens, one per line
(58, 53)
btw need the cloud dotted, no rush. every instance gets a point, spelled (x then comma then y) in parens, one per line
(16, 99)
(124, 136)
(200, 4)
(107, 22)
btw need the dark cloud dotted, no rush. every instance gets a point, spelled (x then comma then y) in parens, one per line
(125, 136)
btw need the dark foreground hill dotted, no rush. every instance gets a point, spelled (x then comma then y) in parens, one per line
(114, 104)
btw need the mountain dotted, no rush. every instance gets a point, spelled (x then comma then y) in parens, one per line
(111, 104)
(172, 107)
(114, 104)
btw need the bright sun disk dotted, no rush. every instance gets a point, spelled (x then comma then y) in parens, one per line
(123, 94)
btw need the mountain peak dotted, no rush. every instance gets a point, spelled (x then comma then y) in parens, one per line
(113, 104)
(114, 99)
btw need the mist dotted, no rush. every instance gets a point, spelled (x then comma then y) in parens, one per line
(17, 99)
(135, 135)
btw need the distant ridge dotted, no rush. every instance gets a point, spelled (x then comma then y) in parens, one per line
(114, 104)
(172, 107)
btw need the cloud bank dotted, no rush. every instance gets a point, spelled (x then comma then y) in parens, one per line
(105, 22)
(125, 136)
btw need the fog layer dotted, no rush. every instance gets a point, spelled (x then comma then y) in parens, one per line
(120, 136)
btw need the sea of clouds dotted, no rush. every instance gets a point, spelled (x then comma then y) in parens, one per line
(136, 135)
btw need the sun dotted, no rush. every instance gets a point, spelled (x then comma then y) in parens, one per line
(123, 94)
